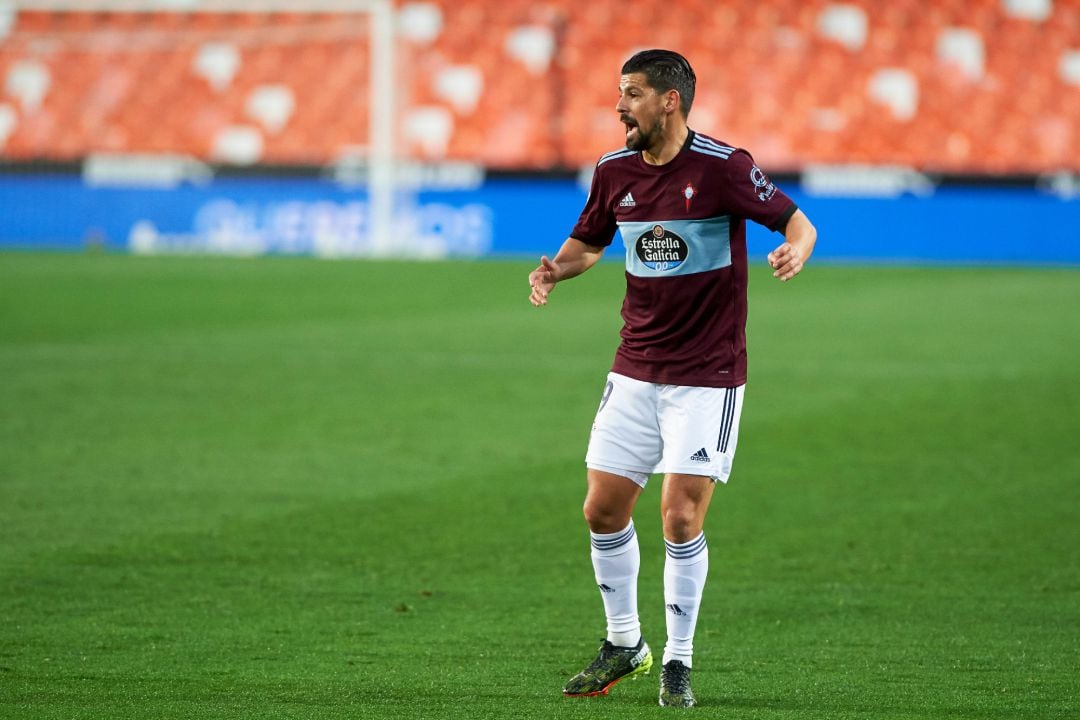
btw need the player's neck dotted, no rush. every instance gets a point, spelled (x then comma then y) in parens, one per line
(672, 141)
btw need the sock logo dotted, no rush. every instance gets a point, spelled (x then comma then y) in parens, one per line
(605, 589)
(676, 610)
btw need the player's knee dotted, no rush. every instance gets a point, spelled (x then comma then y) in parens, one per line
(603, 518)
(681, 524)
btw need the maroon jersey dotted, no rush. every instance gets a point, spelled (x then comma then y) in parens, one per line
(683, 225)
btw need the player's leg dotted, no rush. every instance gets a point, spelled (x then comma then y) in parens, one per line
(623, 447)
(616, 559)
(683, 506)
(700, 435)
(609, 501)
(684, 503)
(615, 556)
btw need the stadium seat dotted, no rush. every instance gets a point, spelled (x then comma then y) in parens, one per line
(1069, 67)
(427, 131)
(420, 22)
(961, 50)
(28, 81)
(238, 145)
(217, 63)
(533, 46)
(845, 24)
(8, 16)
(272, 106)
(896, 89)
(460, 86)
(9, 119)
(1036, 10)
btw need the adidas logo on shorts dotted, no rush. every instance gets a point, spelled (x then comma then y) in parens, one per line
(701, 456)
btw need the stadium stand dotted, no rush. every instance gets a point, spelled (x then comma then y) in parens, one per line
(961, 86)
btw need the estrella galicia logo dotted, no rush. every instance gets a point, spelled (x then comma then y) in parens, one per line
(661, 249)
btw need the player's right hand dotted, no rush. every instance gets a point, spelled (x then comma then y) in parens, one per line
(542, 280)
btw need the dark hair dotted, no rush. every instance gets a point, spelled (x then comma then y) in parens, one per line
(665, 70)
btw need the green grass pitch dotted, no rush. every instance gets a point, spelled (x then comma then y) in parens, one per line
(286, 488)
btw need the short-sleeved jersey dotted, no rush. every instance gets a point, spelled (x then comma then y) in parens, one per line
(683, 225)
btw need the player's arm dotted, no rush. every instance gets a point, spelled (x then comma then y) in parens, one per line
(800, 237)
(573, 258)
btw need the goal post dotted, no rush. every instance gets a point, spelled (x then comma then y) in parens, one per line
(382, 151)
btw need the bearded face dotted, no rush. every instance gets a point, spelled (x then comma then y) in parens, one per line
(640, 110)
(640, 137)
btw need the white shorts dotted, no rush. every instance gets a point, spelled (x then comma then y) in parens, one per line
(643, 428)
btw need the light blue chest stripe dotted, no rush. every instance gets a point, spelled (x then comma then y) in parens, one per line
(709, 243)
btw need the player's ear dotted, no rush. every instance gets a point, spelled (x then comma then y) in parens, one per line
(671, 101)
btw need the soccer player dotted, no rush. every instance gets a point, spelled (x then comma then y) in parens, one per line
(679, 200)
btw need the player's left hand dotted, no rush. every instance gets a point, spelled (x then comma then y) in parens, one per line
(786, 261)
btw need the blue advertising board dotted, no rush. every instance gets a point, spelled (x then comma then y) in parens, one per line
(504, 217)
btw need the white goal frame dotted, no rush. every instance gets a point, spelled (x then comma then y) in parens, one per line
(382, 109)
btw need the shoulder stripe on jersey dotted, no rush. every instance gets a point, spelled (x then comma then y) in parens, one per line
(714, 153)
(614, 154)
(711, 151)
(706, 142)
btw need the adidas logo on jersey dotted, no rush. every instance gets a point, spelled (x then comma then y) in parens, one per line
(700, 456)
(628, 201)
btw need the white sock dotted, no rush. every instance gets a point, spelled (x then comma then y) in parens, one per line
(685, 568)
(616, 559)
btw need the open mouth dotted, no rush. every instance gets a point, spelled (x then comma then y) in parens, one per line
(629, 123)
